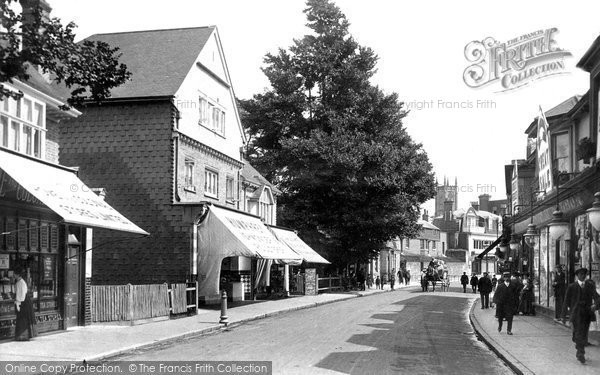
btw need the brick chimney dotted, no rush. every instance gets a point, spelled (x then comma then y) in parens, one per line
(484, 202)
(475, 205)
(425, 216)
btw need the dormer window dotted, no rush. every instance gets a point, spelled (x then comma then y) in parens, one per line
(266, 204)
(22, 125)
(212, 115)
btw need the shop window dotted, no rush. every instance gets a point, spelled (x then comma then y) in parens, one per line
(22, 235)
(11, 236)
(211, 183)
(54, 238)
(44, 234)
(34, 236)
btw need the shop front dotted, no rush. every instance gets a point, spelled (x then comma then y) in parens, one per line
(296, 279)
(568, 242)
(227, 233)
(45, 213)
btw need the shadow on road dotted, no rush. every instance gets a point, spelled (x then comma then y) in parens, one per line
(429, 335)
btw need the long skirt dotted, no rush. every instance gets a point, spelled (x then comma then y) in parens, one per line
(25, 327)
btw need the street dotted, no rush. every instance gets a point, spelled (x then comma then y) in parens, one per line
(405, 331)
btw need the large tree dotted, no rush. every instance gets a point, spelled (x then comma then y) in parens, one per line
(31, 39)
(351, 177)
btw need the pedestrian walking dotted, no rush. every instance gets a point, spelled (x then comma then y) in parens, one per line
(400, 277)
(485, 288)
(370, 280)
(377, 282)
(464, 280)
(424, 282)
(559, 287)
(25, 324)
(392, 278)
(504, 298)
(474, 281)
(494, 283)
(407, 277)
(581, 302)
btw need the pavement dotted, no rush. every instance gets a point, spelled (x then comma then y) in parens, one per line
(539, 345)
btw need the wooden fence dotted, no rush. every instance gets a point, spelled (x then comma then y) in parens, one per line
(114, 303)
(329, 284)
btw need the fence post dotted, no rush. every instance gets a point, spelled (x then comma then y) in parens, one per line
(130, 303)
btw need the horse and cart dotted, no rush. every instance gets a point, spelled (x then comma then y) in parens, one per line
(436, 272)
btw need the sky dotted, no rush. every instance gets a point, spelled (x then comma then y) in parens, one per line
(468, 133)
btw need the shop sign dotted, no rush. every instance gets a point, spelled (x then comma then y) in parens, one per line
(4, 261)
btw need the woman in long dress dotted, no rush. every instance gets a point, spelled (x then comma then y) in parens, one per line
(25, 327)
(526, 298)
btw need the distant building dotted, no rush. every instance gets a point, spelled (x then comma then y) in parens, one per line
(446, 193)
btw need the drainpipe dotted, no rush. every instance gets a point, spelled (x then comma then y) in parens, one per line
(175, 138)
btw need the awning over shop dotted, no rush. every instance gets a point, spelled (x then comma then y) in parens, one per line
(226, 233)
(487, 249)
(290, 238)
(60, 190)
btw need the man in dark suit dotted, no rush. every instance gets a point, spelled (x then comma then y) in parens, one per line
(464, 280)
(504, 298)
(581, 301)
(485, 288)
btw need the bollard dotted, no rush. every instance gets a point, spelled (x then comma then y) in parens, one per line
(224, 318)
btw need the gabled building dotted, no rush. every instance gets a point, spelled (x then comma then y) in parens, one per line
(46, 212)
(167, 146)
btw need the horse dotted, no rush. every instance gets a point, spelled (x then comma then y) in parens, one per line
(432, 274)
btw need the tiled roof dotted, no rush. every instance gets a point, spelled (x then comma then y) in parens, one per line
(563, 107)
(427, 224)
(159, 60)
(250, 174)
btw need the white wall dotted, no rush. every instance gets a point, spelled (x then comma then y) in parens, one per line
(198, 82)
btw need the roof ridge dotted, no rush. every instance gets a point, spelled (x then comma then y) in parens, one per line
(154, 30)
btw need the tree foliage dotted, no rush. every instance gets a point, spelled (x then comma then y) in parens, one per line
(351, 177)
(89, 69)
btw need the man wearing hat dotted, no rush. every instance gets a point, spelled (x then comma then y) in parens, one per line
(504, 298)
(581, 302)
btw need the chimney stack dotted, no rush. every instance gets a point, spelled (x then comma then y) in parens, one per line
(484, 202)
(425, 216)
(475, 205)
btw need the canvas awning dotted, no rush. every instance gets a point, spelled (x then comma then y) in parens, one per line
(61, 191)
(290, 238)
(226, 233)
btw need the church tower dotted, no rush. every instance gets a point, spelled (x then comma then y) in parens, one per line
(446, 193)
